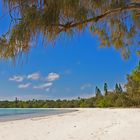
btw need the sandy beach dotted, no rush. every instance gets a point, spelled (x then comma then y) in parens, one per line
(84, 124)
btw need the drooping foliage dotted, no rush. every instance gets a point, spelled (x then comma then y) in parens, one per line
(115, 22)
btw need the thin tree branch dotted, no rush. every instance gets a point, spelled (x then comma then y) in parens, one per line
(131, 7)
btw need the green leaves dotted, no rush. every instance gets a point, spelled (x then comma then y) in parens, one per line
(133, 84)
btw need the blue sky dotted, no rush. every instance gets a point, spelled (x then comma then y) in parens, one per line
(70, 68)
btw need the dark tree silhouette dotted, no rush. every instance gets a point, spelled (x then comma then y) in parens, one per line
(105, 88)
(98, 92)
(120, 88)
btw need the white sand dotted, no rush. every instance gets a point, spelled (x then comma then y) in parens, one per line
(85, 124)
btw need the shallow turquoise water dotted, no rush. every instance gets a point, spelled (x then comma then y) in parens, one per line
(7, 114)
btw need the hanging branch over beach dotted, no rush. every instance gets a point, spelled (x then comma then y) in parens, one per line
(116, 23)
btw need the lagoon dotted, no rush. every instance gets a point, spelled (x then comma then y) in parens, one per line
(8, 114)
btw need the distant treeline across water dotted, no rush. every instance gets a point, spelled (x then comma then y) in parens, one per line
(111, 99)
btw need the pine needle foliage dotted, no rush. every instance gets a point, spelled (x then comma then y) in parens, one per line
(115, 22)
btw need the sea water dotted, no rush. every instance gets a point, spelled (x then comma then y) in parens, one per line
(8, 114)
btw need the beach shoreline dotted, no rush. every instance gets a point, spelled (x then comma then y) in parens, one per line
(84, 124)
(37, 112)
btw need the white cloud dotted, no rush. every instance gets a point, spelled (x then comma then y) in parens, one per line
(33, 76)
(87, 95)
(85, 86)
(24, 85)
(16, 78)
(52, 77)
(45, 86)
(47, 89)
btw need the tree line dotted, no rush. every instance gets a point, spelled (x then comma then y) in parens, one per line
(116, 98)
